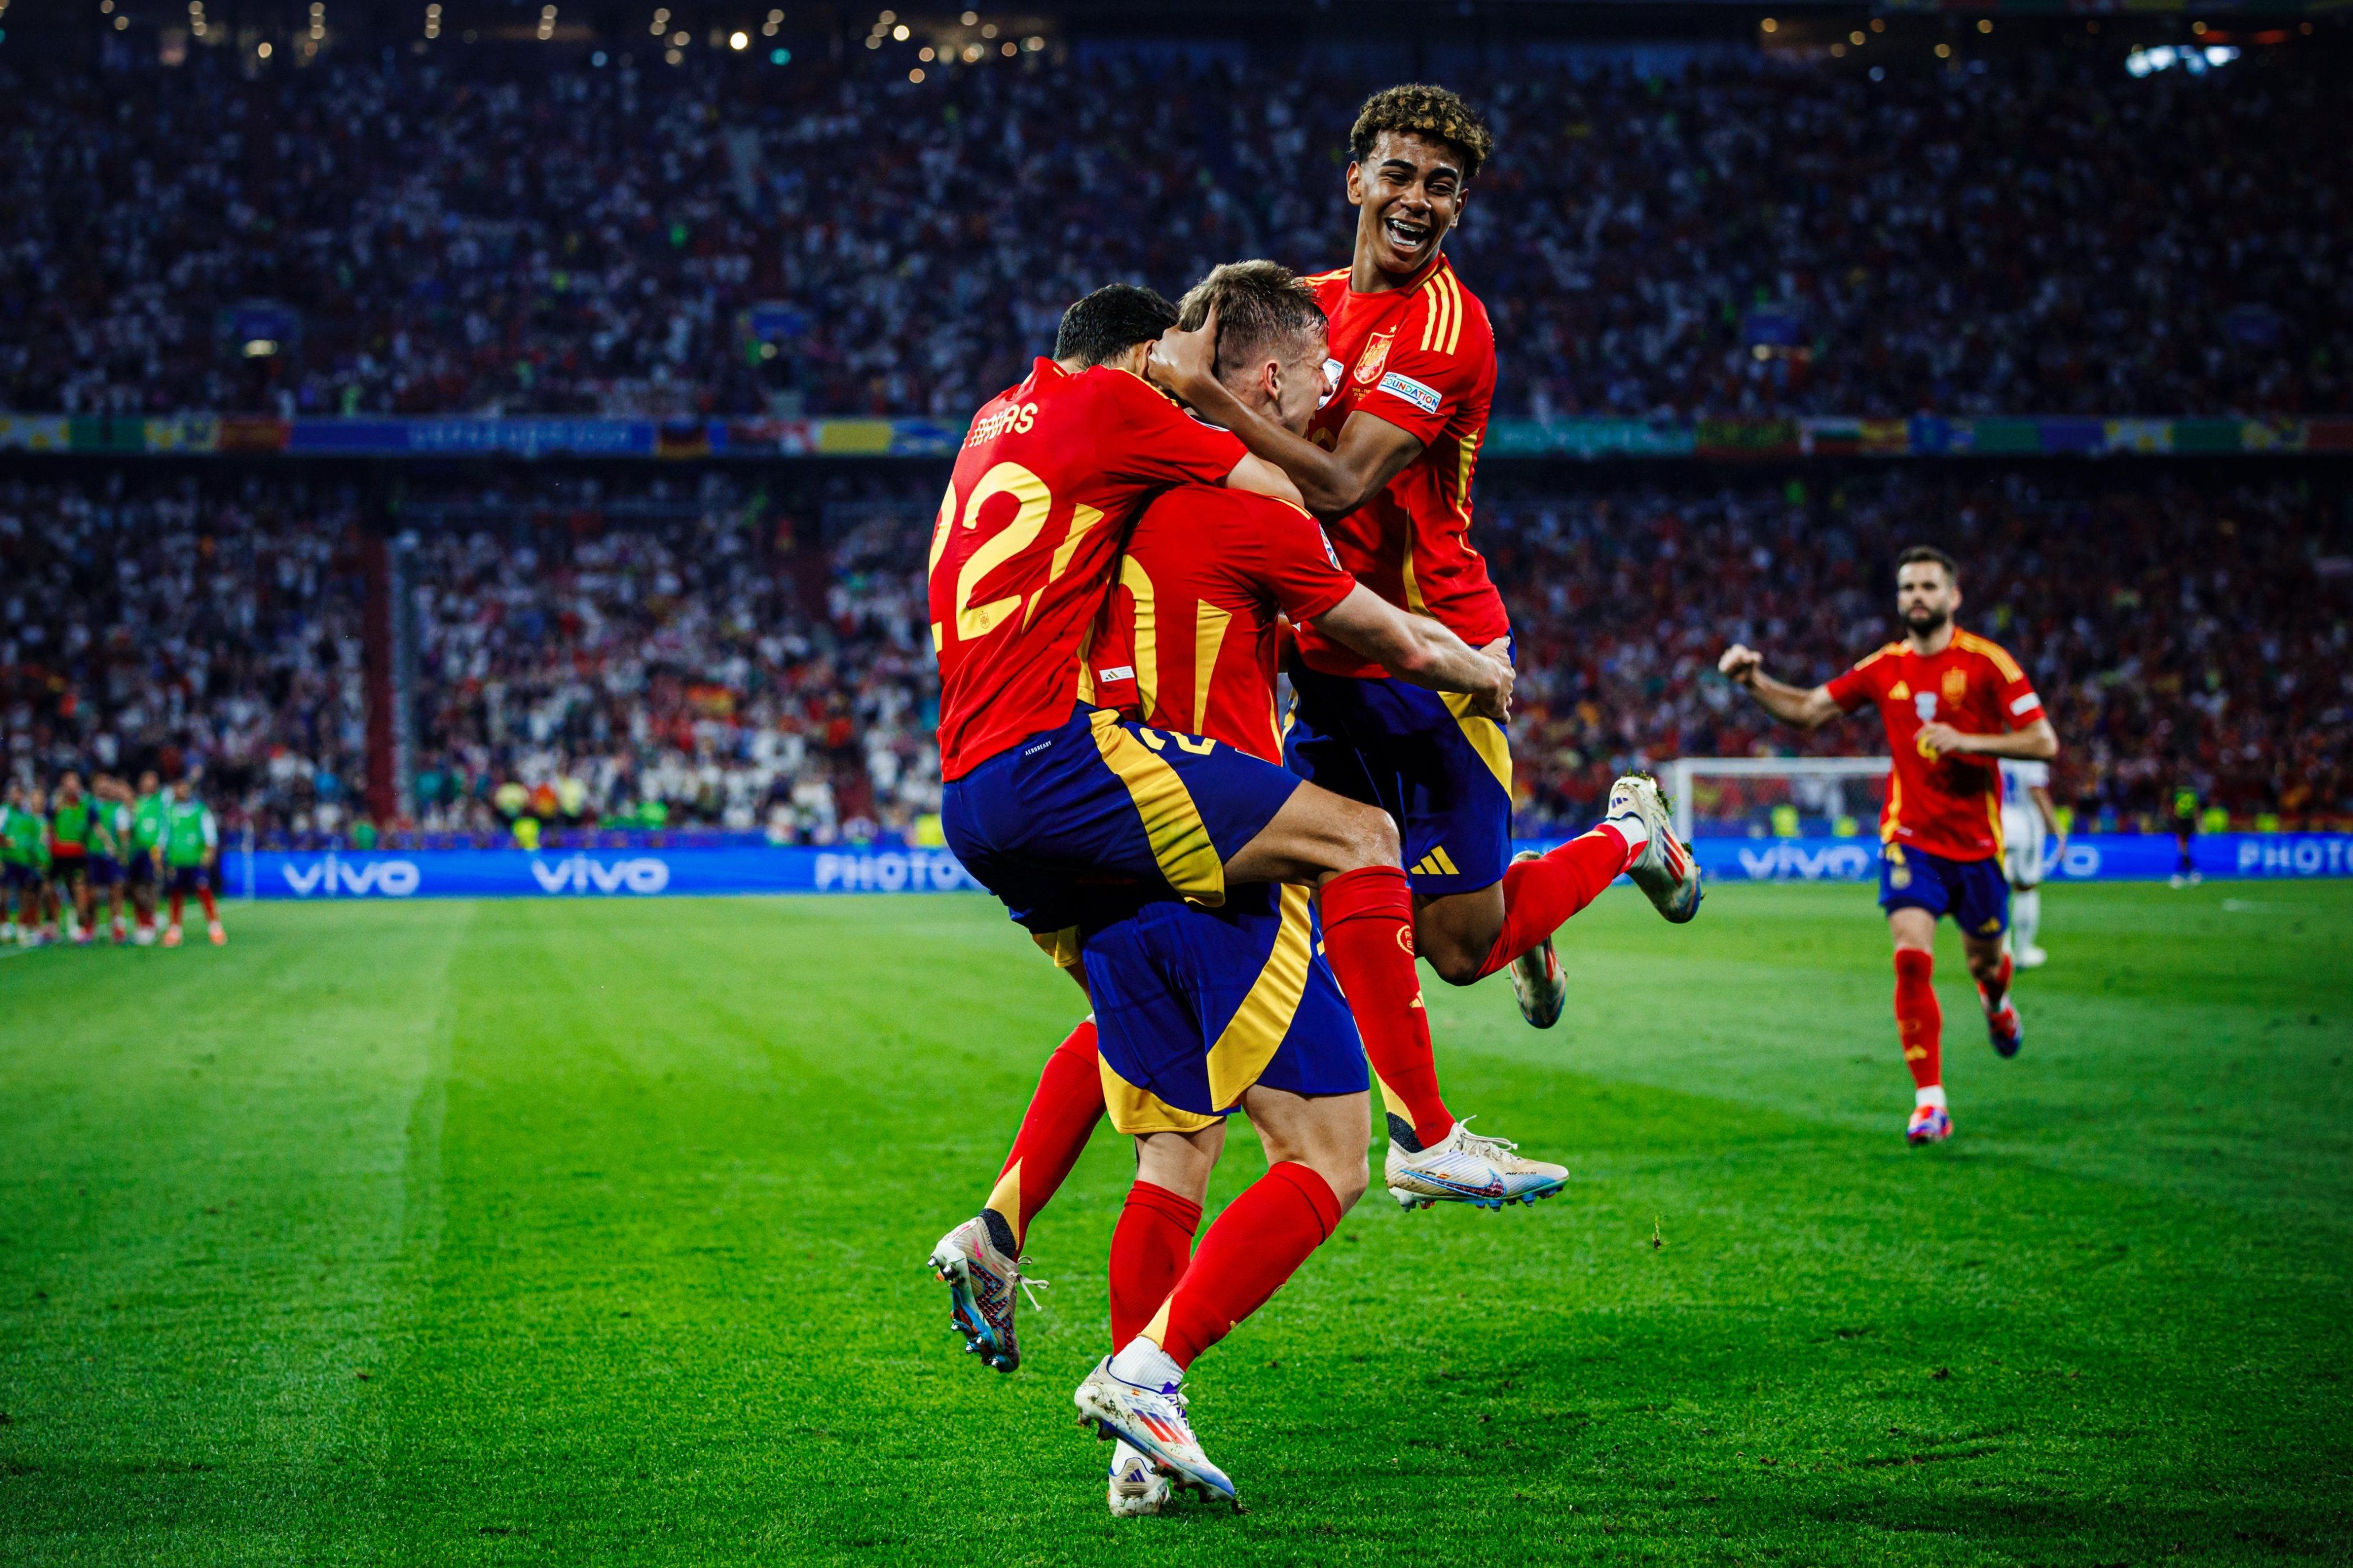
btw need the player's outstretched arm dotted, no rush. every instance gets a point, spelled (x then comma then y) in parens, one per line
(1371, 452)
(1744, 665)
(1418, 649)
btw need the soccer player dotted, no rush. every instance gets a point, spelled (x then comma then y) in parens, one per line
(110, 848)
(1189, 647)
(1040, 789)
(1955, 705)
(2185, 829)
(145, 871)
(70, 819)
(24, 839)
(1388, 460)
(191, 851)
(2029, 823)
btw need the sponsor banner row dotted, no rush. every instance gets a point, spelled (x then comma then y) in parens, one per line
(1581, 438)
(514, 873)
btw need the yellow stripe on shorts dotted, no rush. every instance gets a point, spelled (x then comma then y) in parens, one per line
(1172, 823)
(1133, 1109)
(1255, 1031)
(1486, 738)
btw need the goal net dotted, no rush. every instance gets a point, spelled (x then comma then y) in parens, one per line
(1775, 797)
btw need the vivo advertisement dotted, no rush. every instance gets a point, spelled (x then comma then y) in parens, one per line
(636, 874)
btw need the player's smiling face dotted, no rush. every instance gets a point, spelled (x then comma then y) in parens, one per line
(1406, 195)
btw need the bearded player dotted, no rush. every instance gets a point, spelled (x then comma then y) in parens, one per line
(1956, 706)
(1387, 463)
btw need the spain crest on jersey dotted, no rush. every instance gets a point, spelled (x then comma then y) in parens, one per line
(1376, 355)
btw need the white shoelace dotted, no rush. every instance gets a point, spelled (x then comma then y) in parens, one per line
(1029, 1287)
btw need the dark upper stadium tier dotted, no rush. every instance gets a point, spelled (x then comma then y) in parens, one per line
(520, 230)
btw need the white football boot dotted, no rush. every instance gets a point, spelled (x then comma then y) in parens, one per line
(1536, 977)
(1152, 1422)
(1137, 1486)
(1664, 869)
(982, 1276)
(1465, 1168)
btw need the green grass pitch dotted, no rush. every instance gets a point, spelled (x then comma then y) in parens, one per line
(591, 1231)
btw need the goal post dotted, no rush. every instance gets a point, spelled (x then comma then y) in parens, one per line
(1775, 796)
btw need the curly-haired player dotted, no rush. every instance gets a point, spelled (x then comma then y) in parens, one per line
(1387, 462)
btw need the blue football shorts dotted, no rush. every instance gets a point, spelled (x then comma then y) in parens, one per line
(1442, 771)
(1104, 803)
(1195, 1006)
(1974, 892)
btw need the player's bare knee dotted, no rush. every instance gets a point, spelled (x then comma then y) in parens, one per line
(1455, 963)
(1369, 838)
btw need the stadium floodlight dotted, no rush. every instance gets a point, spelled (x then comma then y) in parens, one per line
(1773, 795)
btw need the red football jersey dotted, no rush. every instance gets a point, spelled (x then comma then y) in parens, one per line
(1423, 359)
(1188, 640)
(1948, 805)
(1051, 474)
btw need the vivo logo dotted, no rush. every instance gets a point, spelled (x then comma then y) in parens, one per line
(891, 873)
(333, 876)
(1839, 863)
(581, 874)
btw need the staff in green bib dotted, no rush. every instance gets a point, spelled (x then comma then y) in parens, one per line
(146, 863)
(70, 817)
(109, 845)
(191, 850)
(23, 850)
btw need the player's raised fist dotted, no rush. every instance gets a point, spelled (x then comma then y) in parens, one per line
(1740, 663)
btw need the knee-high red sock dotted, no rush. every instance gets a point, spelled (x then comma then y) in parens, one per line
(1256, 1244)
(1541, 895)
(212, 910)
(1054, 1130)
(1149, 1250)
(1369, 942)
(179, 902)
(1919, 1018)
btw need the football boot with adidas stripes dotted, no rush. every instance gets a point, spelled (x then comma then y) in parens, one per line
(978, 1264)
(1464, 1168)
(1152, 1421)
(1665, 870)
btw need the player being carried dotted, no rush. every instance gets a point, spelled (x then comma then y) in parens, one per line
(1387, 462)
(1955, 705)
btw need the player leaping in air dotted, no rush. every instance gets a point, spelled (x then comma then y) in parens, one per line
(1955, 705)
(1387, 463)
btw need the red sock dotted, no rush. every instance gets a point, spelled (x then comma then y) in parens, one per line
(1540, 896)
(1369, 942)
(179, 902)
(1054, 1130)
(1919, 1018)
(1149, 1249)
(1998, 992)
(205, 897)
(1256, 1244)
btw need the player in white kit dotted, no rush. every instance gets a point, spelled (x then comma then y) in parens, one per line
(2029, 822)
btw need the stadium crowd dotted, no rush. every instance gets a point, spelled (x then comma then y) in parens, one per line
(670, 652)
(504, 230)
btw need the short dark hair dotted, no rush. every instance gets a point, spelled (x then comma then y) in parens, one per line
(1920, 552)
(1260, 304)
(1418, 108)
(1110, 321)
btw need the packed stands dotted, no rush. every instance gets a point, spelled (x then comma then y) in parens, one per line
(510, 229)
(696, 651)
